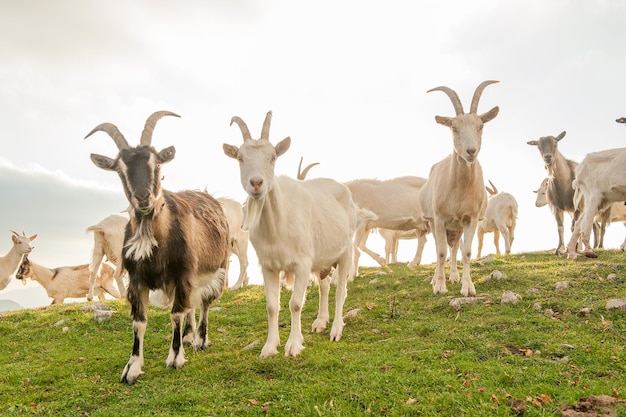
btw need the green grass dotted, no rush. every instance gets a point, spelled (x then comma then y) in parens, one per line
(406, 352)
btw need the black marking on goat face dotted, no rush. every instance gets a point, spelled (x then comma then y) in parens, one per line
(139, 169)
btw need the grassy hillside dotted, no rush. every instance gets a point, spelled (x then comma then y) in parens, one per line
(404, 352)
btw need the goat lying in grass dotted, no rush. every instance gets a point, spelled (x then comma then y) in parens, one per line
(68, 281)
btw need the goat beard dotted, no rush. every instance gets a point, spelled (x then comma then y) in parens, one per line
(141, 244)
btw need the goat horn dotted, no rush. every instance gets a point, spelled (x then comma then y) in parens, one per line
(14, 232)
(265, 132)
(478, 93)
(493, 190)
(302, 174)
(456, 102)
(148, 129)
(114, 132)
(242, 126)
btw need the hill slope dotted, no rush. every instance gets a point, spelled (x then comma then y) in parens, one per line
(405, 351)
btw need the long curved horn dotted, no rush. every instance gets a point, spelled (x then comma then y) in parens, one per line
(456, 102)
(478, 93)
(242, 126)
(265, 132)
(148, 129)
(302, 174)
(114, 132)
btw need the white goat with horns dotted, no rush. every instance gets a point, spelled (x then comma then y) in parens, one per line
(299, 227)
(175, 243)
(453, 199)
(500, 218)
(10, 261)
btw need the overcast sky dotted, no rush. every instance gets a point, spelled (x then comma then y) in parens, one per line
(347, 80)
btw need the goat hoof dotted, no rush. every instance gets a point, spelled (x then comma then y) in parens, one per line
(590, 254)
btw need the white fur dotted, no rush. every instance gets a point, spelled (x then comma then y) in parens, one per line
(500, 218)
(600, 181)
(10, 261)
(296, 227)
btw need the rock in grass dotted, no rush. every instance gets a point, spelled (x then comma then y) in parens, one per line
(616, 303)
(509, 297)
(456, 303)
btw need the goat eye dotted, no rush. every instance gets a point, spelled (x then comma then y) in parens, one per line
(272, 160)
(240, 159)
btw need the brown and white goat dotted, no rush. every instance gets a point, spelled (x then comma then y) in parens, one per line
(297, 227)
(454, 198)
(10, 261)
(176, 243)
(500, 218)
(600, 181)
(68, 281)
(561, 172)
(108, 241)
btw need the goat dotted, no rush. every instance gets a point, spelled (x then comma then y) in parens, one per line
(175, 242)
(454, 198)
(542, 193)
(301, 228)
(237, 240)
(389, 204)
(616, 212)
(68, 281)
(561, 173)
(10, 261)
(600, 181)
(500, 217)
(108, 240)
(392, 238)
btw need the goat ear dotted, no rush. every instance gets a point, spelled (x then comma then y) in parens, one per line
(561, 136)
(103, 162)
(282, 146)
(442, 120)
(167, 154)
(33, 237)
(490, 115)
(230, 150)
(533, 143)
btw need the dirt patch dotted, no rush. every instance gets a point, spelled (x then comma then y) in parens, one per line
(592, 406)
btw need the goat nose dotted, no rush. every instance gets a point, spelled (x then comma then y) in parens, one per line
(471, 151)
(256, 183)
(142, 195)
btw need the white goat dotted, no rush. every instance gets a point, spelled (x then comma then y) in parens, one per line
(561, 173)
(392, 238)
(108, 241)
(68, 281)
(238, 240)
(389, 204)
(454, 198)
(299, 227)
(542, 193)
(616, 212)
(500, 218)
(10, 261)
(600, 181)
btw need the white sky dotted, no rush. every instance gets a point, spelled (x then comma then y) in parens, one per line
(347, 80)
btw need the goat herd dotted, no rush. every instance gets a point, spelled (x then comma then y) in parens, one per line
(176, 246)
